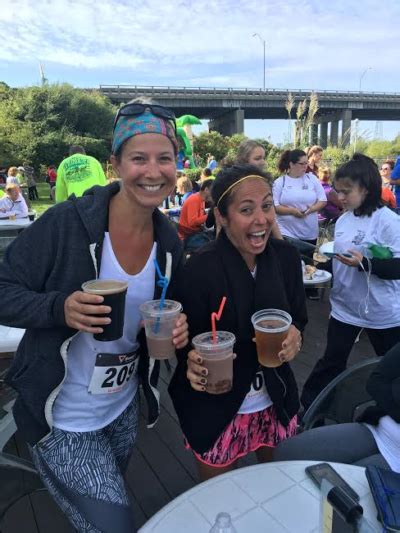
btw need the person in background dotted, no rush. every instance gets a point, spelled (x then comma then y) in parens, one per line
(366, 282)
(184, 189)
(298, 197)
(254, 272)
(82, 431)
(314, 156)
(211, 162)
(373, 440)
(77, 173)
(395, 180)
(193, 216)
(12, 176)
(388, 197)
(333, 208)
(253, 153)
(31, 182)
(13, 203)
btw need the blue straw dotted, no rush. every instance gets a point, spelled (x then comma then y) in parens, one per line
(162, 282)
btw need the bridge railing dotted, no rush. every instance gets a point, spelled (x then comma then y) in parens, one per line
(243, 92)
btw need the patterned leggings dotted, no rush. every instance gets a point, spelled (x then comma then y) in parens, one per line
(84, 473)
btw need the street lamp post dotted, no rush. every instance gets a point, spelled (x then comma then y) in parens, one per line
(263, 43)
(362, 75)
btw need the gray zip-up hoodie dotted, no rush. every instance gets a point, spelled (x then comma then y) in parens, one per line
(42, 267)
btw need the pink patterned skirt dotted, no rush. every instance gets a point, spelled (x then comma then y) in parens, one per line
(246, 433)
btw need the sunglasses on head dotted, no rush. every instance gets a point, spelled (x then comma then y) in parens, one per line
(136, 109)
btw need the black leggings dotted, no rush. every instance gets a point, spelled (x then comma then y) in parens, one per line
(340, 341)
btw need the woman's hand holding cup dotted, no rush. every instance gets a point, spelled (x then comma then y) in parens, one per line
(180, 334)
(196, 373)
(81, 312)
(291, 345)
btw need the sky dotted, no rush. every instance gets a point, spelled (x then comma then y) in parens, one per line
(310, 44)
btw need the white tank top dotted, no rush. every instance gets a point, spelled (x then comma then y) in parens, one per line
(78, 409)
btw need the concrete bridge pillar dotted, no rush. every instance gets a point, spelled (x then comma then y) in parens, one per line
(346, 126)
(334, 137)
(323, 135)
(229, 123)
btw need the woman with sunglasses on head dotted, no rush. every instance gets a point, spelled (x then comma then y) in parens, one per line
(81, 436)
(254, 272)
(366, 273)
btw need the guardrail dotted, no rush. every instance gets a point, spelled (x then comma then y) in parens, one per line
(229, 91)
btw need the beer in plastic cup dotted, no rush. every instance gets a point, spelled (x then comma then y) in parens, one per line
(114, 293)
(13, 217)
(158, 325)
(271, 327)
(217, 358)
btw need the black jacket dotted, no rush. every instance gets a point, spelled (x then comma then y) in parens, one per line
(42, 267)
(384, 386)
(219, 270)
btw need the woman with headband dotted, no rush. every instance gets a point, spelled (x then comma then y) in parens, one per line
(254, 272)
(81, 437)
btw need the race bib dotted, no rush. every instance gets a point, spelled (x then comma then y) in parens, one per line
(258, 387)
(112, 372)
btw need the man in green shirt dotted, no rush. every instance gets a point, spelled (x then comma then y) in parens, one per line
(77, 173)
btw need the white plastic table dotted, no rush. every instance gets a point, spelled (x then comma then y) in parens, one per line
(10, 338)
(19, 223)
(271, 498)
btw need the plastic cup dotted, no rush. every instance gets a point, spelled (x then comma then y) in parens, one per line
(114, 293)
(158, 324)
(12, 217)
(271, 327)
(217, 358)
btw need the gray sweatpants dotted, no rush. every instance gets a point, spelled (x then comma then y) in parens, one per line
(351, 443)
(84, 473)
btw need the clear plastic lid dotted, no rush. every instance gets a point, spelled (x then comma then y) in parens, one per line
(151, 309)
(205, 343)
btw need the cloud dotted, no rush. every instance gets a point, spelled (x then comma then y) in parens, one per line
(206, 41)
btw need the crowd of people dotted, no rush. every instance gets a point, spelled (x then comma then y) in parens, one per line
(118, 231)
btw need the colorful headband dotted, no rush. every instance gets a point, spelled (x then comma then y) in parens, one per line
(237, 183)
(129, 126)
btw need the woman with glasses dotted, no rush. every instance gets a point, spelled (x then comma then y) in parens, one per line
(78, 418)
(298, 196)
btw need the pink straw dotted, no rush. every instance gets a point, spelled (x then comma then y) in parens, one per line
(214, 317)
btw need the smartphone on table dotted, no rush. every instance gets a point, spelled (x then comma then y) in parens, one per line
(322, 471)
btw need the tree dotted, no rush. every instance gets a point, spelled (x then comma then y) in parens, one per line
(38, 124)
(211, 143)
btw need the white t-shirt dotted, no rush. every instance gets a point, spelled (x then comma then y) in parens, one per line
(76, 408)
(350, 300)
(387, 438)
(17, 208)
(257, 398)
(300, 193)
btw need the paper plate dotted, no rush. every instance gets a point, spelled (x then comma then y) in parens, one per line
(320, 276)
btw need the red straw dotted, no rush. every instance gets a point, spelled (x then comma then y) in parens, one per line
(214, 317)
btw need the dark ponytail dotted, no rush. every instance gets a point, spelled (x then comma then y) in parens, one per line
(289, 156)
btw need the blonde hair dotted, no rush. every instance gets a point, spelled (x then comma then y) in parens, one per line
(325, 174)
(184, 185)
(245, 149)
(12, 171)
(314, 150)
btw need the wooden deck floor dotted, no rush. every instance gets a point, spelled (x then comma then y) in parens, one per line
(160, 468)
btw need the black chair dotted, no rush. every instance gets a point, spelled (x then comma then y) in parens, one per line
(19, 478)
(344, 399)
